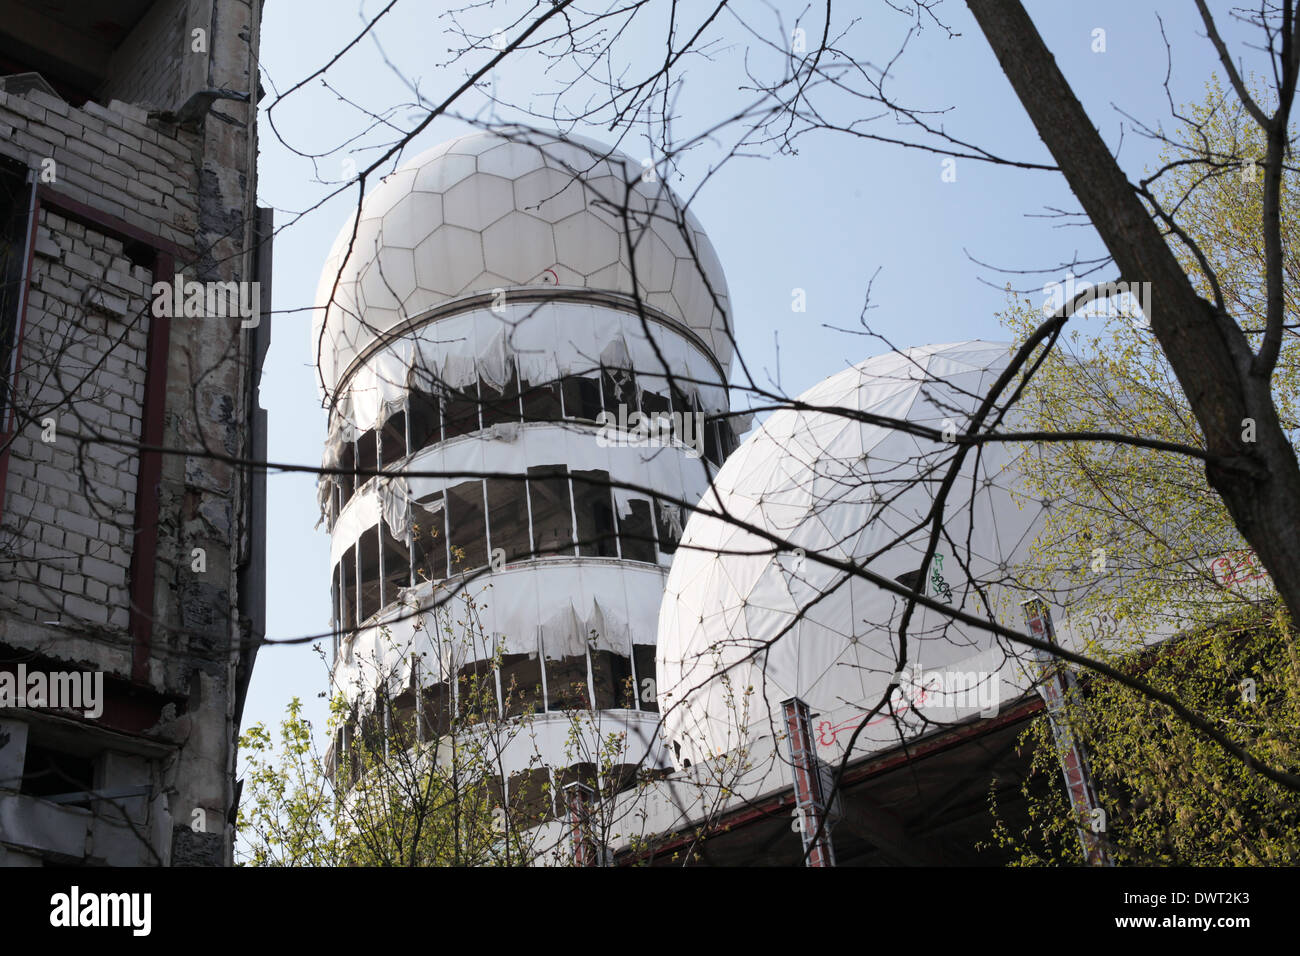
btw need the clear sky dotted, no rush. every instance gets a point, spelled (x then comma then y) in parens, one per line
(823, 221)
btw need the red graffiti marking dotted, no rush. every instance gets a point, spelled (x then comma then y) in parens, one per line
(834, 730)
(1237, 567)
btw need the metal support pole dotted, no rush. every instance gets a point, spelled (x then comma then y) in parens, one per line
(1056, 685)
(810, 786)
(578, 800)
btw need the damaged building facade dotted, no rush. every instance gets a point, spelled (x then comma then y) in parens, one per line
(523, 345)
(495, 333)
(492, 316)
(128, 570)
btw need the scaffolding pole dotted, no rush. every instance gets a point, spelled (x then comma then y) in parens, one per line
(578, 799)
(810, 786)
(1058, 684)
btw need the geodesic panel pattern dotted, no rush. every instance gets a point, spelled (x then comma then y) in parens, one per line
(741, 612)
(511, 209)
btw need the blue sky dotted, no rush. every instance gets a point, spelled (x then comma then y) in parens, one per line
(823, 221)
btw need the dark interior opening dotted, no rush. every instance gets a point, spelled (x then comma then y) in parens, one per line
(636, 532)
(49, 772)
(548, 493)
(467, 525)
(393, 439)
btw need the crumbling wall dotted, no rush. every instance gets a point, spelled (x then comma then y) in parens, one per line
(113, 158)
(205, 502)
(69, 508)
(190, 183)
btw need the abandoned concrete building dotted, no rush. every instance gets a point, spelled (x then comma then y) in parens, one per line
(131, 549)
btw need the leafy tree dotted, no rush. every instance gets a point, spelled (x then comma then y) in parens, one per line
(384, 800)
(391, 791)
(1170, 796)
(1144, 545)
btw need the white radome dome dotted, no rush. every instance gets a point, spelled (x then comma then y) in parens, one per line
(510, 209)
(808, 477)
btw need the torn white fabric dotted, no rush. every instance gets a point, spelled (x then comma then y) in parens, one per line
(623, 498)
(548, 340)
(602, 604)
(324, 491)
(563, 635)
(395, 505)
(661, 469)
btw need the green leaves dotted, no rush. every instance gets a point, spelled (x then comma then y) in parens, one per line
(1176, 563)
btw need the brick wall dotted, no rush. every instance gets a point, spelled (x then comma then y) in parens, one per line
(114, 159)
(68, 520)
(66, 532)
(143, 69)
(69, 506)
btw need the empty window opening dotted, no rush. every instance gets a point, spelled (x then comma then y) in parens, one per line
(542, 402)
(402, 730)
(476, 693)
(397, 565)
(436, 708)
(611, 678)
(566, 684)
(348, 596)
(467, 525)
(552, 510)
(594, 508)
(581, 397)
(668, 523)
(653, 404)
(425, 417)
(530, 797)
(461, 412)
(508, 518)
(501, 405)
(618, 388)
(50, 772)
(636, 531)
(370, 591)
(392, 439)
(647, 683)
(521, 684)
(347, 480)
(713, 442)
(367, 456)
(429, 538)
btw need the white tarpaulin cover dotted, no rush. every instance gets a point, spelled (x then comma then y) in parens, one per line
(548, 340)
(556, 607)
(812, 479)
(664, 470)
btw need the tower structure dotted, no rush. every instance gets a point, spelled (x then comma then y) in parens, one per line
(523, 343)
